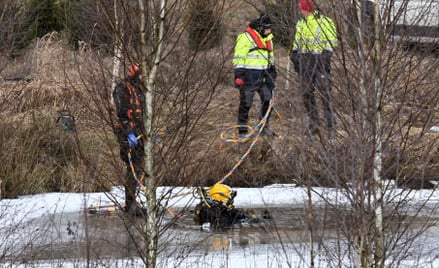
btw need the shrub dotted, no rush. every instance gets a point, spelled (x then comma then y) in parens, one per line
(204, 24)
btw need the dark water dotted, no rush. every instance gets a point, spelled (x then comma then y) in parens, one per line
(81, 235)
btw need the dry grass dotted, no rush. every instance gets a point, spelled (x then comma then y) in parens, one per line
(50, 77)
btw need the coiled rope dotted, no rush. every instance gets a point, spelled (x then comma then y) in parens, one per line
(253, 135)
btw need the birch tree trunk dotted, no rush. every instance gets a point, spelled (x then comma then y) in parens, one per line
(117, 49)
(377, 165)
(151, 228)
(362, 256)
(371, 243)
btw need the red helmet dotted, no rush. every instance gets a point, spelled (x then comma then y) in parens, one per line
(135, 68)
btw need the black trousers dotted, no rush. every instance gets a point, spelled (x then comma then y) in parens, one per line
(255, 81)
(134, 161)
(314, 75)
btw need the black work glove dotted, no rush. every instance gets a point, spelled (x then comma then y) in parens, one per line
(272, 71)
(326, 60)
(295, 58)
(270, 78)
(239, 77)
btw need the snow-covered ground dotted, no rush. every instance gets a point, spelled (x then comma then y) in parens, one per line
(278, 195)
(15, 213)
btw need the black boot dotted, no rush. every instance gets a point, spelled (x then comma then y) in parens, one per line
(135, 209)
(268, 132)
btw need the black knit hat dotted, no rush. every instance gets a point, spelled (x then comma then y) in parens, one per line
(265, 21)
(260, 24)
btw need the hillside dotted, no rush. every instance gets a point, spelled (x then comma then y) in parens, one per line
(195, 102)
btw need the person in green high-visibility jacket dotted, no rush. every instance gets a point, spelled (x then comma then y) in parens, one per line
(255, 71)
(314, 42)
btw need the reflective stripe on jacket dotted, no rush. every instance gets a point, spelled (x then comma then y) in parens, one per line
(315, 33)
(134, 113)
(249, 54)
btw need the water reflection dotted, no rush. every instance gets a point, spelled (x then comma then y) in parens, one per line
(79, 235)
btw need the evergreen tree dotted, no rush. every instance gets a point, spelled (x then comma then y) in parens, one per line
(42, 18)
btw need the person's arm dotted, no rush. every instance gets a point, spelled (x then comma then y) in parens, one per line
(121, 100)
(271, 64)
(241, 50)
(330, 34)
(331, 41)
(295, 56)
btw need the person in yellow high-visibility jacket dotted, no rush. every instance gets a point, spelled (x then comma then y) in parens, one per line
(255, 71)
(314, 42)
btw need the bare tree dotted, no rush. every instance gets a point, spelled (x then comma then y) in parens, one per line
(370, 67)
(385, 96)
(180, 82)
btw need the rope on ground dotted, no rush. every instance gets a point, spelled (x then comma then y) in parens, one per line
(143, 188)
(253, 134)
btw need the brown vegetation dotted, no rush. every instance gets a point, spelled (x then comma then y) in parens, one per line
(39, 156)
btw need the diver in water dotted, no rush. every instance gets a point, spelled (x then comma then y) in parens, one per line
(217, 209)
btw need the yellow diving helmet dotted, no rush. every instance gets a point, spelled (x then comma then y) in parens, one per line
(221, 192)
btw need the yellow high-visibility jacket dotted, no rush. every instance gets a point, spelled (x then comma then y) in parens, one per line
(252, 51)
(315, 33)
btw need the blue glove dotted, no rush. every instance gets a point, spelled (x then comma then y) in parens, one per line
(132, 140)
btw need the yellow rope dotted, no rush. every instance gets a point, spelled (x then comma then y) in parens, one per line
(253, 135)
